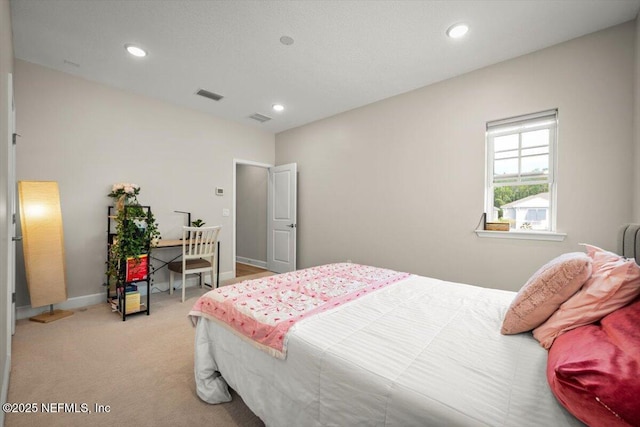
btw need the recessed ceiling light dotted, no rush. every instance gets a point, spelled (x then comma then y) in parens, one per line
(278, 107)
(458, 30)
(135, 50)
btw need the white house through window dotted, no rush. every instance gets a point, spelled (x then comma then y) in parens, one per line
(521, 169)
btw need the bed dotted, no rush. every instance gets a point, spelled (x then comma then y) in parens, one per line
(415, 351)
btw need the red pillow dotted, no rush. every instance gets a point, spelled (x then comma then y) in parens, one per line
(594, 370)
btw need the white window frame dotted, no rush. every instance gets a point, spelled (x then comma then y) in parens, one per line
(517, 125)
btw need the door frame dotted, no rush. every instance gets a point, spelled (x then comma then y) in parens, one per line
(11, 199)
(237, 162)
(7, 300)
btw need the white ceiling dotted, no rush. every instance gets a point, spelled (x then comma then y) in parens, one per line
(346, 53)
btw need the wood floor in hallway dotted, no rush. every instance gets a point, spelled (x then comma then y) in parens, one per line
(247, 270)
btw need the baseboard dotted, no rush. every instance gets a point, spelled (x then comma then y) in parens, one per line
(27, 311)
(243, 260)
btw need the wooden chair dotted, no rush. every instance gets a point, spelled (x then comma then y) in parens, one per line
(198, 255)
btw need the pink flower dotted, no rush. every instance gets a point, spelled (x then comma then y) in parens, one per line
(124, 188)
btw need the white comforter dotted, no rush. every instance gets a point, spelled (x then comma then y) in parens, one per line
(422, 352)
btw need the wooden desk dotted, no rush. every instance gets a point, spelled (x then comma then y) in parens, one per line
(177, 243)
(169, 243)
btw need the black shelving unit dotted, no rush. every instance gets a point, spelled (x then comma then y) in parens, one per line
(118, 296)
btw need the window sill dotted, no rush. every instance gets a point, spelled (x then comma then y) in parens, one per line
(523, 235)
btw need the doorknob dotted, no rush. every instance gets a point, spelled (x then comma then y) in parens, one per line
(291, 226)
(15, 239)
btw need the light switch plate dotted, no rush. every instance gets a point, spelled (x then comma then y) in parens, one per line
(219, 191)
(225, 212)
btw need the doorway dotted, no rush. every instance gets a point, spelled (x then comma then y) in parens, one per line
(250, 187)
(280, 215)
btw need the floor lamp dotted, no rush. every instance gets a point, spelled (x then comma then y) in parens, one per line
(43, 247)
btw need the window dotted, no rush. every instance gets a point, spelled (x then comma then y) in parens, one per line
(539, 214)
(521, 166)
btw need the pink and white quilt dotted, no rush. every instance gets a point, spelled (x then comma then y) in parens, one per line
(263, 310)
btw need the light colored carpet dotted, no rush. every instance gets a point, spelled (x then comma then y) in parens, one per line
(141, 368)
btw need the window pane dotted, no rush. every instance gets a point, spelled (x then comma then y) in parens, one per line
(536, 214)
(534, 178)
(505, 167)
(506, 142)
(525, 207)
(542, 214)
(506, 154)
(535, 165)
(536, 150)
(536, 137)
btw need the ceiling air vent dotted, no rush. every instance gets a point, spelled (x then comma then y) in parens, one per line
(210, 95)
(260, 117)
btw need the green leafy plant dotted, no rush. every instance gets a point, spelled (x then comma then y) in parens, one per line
(136, 231)
(197, 223)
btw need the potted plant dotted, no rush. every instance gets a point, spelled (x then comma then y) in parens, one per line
(136, 232)
(197, 223)
(124, 193)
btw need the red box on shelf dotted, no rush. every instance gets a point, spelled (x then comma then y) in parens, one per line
(137, 268)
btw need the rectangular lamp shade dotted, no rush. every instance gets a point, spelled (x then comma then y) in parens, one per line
(43, 242)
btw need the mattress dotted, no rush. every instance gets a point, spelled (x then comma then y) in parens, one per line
(419, 352)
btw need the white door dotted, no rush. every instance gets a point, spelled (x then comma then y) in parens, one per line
(11, 195)
(281, 218)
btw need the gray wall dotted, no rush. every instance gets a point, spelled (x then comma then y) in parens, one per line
(6, 67)
(400, 183)
(88, 136)
(251, 212)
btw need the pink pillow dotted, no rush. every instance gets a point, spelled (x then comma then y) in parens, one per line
(594, 371)
(614, 282)
(550, 286)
